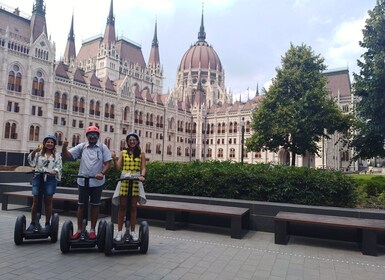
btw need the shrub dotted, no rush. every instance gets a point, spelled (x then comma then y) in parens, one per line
(262, 182)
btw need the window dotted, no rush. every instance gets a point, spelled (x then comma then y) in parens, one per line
(14, 79)
(13, 107)
(232, 153)
(158, 149)
(73, 123)
(34, 132)
(56, 103)
(220, 153)
(38, 85)
(10, 130)
(75, 139)
(55, 120)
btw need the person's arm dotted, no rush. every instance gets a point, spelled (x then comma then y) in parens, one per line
(143, 167)
(31, 157)
(66, 154)
(118, 162)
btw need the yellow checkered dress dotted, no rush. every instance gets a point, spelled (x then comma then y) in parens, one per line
(131, 165)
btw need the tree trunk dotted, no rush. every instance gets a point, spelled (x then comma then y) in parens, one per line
(293, 154)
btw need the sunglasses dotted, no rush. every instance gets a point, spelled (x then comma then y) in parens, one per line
(92, 134)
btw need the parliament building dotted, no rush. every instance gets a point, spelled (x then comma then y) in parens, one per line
(109, 83)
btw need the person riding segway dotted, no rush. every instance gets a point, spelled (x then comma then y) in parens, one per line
(126, 241)
(129, 192)
(95, 160)
(48, 165)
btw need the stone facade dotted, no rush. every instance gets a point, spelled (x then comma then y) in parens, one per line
(109, 84)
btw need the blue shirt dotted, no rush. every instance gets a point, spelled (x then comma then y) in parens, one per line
(92, 159)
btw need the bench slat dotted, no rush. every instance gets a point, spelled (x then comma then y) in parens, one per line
(337, 221)
(195, 208)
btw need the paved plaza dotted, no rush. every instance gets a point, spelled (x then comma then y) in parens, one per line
(189, 254)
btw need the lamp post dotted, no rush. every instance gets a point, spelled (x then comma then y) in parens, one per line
(243, 138)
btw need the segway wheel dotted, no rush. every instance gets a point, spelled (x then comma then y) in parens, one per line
(19, 230)
(101, 238)
(65, 236)
(54, 227)
(144, 235)
(109, 239)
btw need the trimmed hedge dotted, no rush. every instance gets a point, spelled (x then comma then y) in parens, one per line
(261, 182)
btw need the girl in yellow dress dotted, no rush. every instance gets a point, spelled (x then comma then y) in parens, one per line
(133, 161)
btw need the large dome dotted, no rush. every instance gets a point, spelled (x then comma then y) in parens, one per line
(201, 56)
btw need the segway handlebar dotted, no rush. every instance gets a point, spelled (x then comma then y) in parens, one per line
(83, 176)
(131, 177)
(38, 172)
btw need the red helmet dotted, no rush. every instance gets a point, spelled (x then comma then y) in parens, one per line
(92, 128)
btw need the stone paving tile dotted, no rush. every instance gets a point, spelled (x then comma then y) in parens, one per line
(189, 254)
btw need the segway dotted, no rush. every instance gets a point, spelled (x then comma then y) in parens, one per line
(127, 243)
(38, 232)
(84, 241)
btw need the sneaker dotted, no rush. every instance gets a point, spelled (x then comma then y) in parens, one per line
(92, 235)
(76, 235)
(31, 228)
(134, 236)
(118, 236)
(47, 227)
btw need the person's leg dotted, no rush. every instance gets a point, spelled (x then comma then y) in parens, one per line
(122, 211)
(48, 208)
(133, 214)
(79, 212)
(34, 209)
(95, 195)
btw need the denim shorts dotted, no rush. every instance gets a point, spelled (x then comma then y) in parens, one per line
(49, 185)
(93, 194)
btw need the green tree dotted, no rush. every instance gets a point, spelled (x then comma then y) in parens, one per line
(297, 110)
(369, 137)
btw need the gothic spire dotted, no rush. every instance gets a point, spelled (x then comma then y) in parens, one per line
(38, 22)
(70, 50)
(202, 33)
(109, 33)
(154, 58)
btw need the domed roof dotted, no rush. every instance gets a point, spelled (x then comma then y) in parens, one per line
(201, 55)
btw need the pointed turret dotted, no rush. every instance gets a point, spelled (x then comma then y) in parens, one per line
(154, 53)
(38, 22)
(109, 33)
(202, 33)
(70, 50)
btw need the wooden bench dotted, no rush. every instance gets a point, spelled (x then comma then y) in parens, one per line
(367, 228)
(64, 197)
(239, 216)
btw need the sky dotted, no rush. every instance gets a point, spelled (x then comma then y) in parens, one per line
(249, 36)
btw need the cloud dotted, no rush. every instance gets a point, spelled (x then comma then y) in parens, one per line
(344, 46)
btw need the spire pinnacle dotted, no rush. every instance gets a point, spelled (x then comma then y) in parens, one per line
(202, 33)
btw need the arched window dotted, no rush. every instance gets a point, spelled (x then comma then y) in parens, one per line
(148, 148)
(92, 107)
(122, 144)
(34, 132)
(158, 149)
(57, 100)
(10, 130)
(97, 108)
(75, 105)
(59, 138)
(14, 79)
(112, 111)
(125, 113)
(232, 153)
(64, 102)
(81, 105)
(107, 141)
(75, 139)
(169, 150)
(220, 153)
(107, 110)
(38, 84)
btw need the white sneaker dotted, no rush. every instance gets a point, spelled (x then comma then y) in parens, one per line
(134, 236)
(118, 236)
